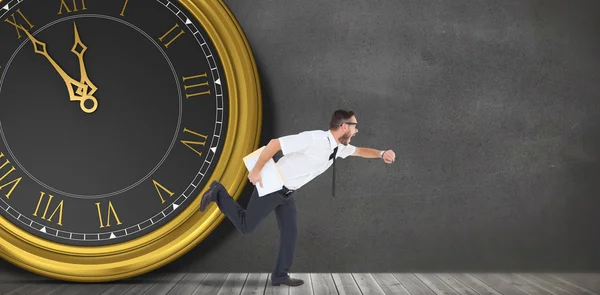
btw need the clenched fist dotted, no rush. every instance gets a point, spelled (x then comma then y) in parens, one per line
(389, 156)
(254, 177)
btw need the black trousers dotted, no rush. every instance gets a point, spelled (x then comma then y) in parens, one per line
(284, 205)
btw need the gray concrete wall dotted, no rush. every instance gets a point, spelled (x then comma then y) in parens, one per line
(492, 108)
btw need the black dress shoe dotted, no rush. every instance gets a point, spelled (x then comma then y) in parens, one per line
(289, 281)
(209, 195)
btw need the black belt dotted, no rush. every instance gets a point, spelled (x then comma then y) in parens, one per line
(286, 191)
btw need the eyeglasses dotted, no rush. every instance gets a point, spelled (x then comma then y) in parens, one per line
(351, 123)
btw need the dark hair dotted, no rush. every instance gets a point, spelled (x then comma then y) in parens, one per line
(338, 118)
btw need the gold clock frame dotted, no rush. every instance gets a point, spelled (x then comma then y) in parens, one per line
(190, 227)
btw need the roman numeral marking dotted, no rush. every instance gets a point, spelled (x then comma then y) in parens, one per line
(58, 208)
(204, 85)
(124, 6)
(16, 24)
(111, 208)
(169, 33)
(189, 143)
(157, 186)
(69, 10)
(14, 182)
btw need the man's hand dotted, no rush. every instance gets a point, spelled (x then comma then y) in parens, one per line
(254, 177)
(389, 157)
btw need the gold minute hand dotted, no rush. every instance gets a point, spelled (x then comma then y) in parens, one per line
(40, 48)
(83, 91)
(84, 76)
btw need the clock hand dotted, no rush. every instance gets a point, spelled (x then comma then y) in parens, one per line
(37, 44)
(39, 47)
(83, 92)
(84, 76)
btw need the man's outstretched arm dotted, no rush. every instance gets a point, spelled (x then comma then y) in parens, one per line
(388, 156)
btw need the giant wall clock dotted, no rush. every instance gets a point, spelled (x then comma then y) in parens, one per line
(115, 116)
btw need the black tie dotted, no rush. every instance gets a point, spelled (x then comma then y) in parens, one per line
(332, 156)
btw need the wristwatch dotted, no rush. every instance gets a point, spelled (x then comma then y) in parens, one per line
(381, 154)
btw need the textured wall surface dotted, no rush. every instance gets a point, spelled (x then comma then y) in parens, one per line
(492, 108)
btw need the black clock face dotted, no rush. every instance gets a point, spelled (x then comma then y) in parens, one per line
(112, 116)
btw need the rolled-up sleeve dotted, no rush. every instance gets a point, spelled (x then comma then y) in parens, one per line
(296, 143)
(345, 150)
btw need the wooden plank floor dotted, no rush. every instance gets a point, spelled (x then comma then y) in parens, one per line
(317, 283)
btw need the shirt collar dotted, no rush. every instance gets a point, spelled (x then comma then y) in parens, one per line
(332, 141)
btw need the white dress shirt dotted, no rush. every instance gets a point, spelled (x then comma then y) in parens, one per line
(306, 156)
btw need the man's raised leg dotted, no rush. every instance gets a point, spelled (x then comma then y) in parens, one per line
(245, 221)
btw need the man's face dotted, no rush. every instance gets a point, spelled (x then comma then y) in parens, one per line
(351, 130)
